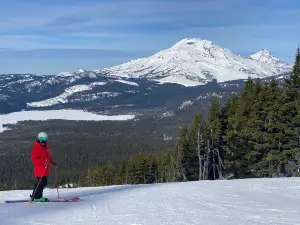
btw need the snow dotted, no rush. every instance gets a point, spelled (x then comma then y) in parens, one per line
(62, 98)
(266, 57)
(194, 61)
(32, 85)
(13, 118)
(185, 104)
(81, 70)
(78, 74)
(93, 97)
(97, 84)
(168, 114)
(127, 82)
(179, 80)
(21, 81)
(245, 202)
(65, 74)
(4, 97)
(213, 94)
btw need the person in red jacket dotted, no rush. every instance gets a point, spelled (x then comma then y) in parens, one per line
(41, 159)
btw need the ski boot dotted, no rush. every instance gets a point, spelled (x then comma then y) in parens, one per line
(42, 199)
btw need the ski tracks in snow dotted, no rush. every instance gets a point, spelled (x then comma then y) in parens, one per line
(247, 202)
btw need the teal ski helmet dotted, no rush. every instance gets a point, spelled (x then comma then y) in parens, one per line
(42, 136)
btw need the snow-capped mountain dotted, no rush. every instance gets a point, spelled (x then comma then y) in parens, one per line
(265, 56)
(181, 73)
(192, 62)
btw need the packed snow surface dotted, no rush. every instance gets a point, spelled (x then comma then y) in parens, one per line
(13, 118)
(236, 202)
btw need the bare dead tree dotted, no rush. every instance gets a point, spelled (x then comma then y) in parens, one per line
(206, 160)
(177, 168)
(199, 142)
(214, 162)
(221, 165)
(217, 166)
(173, 169)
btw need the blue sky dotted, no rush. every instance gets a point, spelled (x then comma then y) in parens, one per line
(50, 36)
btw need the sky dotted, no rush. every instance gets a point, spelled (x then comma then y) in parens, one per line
(48, 37)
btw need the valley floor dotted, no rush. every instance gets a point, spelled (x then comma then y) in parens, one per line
(236, 202)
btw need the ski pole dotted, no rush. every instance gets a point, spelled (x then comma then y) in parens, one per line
(56, 181)
(38, 184)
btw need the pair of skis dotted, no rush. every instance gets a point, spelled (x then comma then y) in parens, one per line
(73, 199)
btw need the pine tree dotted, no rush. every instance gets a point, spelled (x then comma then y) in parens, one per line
(291, 111)
(120, 177)
(231, 135)
(293, 82)
(108, 174)
(198, 135)
(132, 171)
(162, 162)
(142, 169)
(216, 132)
(170, 167)
(263, 157)
(188, 156)
(151, 171)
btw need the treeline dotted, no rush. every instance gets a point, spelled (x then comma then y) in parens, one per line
(255, 134)
(75, 145)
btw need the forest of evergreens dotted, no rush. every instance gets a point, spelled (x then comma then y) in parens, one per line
(76, 146)
(255, 134)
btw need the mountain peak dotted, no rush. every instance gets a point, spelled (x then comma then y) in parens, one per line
(192, 42)
(265, 51)
(81, 70)
(64, 74)
(265, 56)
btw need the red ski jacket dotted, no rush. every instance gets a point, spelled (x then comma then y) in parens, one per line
(40, 155)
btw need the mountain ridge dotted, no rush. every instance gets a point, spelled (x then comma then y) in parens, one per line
(191, 64)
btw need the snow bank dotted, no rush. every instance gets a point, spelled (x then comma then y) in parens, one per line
(13, 118)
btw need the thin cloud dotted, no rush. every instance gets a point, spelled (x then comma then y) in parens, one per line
(94, 35)
(147, 25)
(35, 15)
(21, 36)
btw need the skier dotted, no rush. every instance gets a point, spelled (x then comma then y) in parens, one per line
(41, 159)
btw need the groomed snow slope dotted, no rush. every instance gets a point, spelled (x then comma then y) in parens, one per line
(238, 202)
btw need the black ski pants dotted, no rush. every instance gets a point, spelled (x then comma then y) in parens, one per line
(39, 187)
